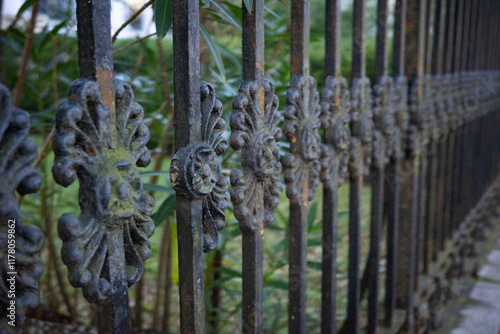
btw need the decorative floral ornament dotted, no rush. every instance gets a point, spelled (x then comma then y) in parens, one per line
(302, 122)
(195, 171)
(335, 117)
(384, 118)
(401, 112)
(362, 123)
(254, 125)
(17, 153)
(103, 149)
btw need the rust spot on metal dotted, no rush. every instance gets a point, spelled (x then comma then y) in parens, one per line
(261, 93)
(104, 79)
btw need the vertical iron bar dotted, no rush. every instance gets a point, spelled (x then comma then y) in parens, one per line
(394, 168)
(253, 70)
(187, 122)
(302, 107)
(330, 194)
(381, 141)
(441, 122)
(95, 56)
(414, 68)
(428, 155)
(358, 70)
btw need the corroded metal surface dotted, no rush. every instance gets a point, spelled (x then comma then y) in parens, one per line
(195, 171)
(103, 151)
(20, 244)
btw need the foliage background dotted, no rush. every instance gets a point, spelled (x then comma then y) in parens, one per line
(147, 64)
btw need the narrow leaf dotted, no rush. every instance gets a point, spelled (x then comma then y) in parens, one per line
(248, 5)
(163, 17)
(214, 50)
(27, 4)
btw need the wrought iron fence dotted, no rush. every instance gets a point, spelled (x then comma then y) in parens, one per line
(424, 139)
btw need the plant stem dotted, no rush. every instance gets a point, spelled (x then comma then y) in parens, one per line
(133, 43)
(28, 46)
(131, 18)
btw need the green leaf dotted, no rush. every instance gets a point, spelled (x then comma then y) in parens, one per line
(229, 16)
(25, 6)
(154, 173)
(166, 209)
(314, 265)
(155, 187)
(163, 17)
(248, 5)
(214, 50)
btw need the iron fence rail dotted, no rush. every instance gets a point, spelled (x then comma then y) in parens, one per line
(423, 139)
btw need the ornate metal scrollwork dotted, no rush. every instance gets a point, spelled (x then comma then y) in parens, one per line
(103, 149)
(361, 125)
(254, 125)
(335, 117)
(384, 118)
(17, 153)
(302, 122)
(195, 171)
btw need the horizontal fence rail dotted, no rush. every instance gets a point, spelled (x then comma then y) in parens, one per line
(421, 136)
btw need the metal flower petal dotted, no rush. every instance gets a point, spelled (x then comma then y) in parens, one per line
(335, 116)
(22, 270)
(302, 122)
(254, 125)
(103, 150)
(195, 171)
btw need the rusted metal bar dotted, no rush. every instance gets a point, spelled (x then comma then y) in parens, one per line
(441, 123)
(360, 159)
(335, 105)
(302, 165)
(262, 139)
(394, 167)
(414, 68)
(187, 120)
(384, 145)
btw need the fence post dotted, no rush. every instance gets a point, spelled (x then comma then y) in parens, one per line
(335, 105)
(407, 232)
(360, 158)
(255, 188)
(302, 166)
(100, 139)
(195, 171)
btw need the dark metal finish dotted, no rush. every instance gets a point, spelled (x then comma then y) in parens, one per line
(101, 140)
(360, 158)
(335, 105)
(195, 172)
(20, 244)
(426, 139)
(394, 167)
(302, 165)
(104, 248)
(255, 189)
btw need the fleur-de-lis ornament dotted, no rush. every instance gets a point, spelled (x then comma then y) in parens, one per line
(361, 125)
(195, 171)
(254, 125)
(335, 117)
(103, 149)
(20, 263)
(302, 122)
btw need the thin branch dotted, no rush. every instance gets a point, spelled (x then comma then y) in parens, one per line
(131, 18)
(133, 43)
(28, 46)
